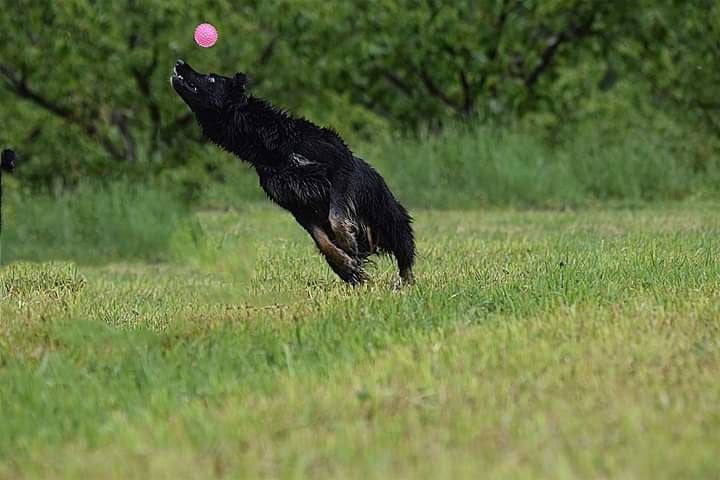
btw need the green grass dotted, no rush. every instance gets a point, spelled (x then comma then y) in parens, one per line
(557, 344)
(91, 224)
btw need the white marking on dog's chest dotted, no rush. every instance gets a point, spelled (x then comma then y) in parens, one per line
(301, 160)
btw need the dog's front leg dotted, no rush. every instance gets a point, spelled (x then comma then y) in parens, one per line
(346, 267)
(344, 229)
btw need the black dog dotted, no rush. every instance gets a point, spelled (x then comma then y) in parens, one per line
(7, 160)
(7, 163)
(339, 199)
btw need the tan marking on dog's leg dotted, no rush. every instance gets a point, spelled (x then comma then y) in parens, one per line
(329, 249)
(368, 234)
(347, 268)
(344, 231)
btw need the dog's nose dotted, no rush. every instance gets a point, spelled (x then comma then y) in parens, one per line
(179, 63)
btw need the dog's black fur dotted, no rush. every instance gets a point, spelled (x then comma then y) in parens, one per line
(337, 197)
(7, 160)
(7, 163)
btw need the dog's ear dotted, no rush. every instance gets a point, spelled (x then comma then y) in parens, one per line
(240, 81)
(237, 95)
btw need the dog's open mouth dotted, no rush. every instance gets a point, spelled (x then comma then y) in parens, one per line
(177, 77)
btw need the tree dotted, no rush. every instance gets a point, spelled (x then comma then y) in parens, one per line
(84, 84)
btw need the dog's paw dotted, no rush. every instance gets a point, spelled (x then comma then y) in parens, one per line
(355, 275)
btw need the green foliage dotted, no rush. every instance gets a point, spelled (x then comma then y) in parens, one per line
(84, 89)
(676, 49)
(535, 344)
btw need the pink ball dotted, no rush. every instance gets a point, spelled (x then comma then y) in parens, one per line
(206, 35)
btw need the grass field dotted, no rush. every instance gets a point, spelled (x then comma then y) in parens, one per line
(556, 344)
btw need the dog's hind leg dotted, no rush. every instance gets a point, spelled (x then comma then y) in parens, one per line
(405, 254)
(346, 267)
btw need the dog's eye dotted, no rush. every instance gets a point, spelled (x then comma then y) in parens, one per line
(211, 79)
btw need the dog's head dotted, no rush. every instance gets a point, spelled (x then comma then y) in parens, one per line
(208, 94)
